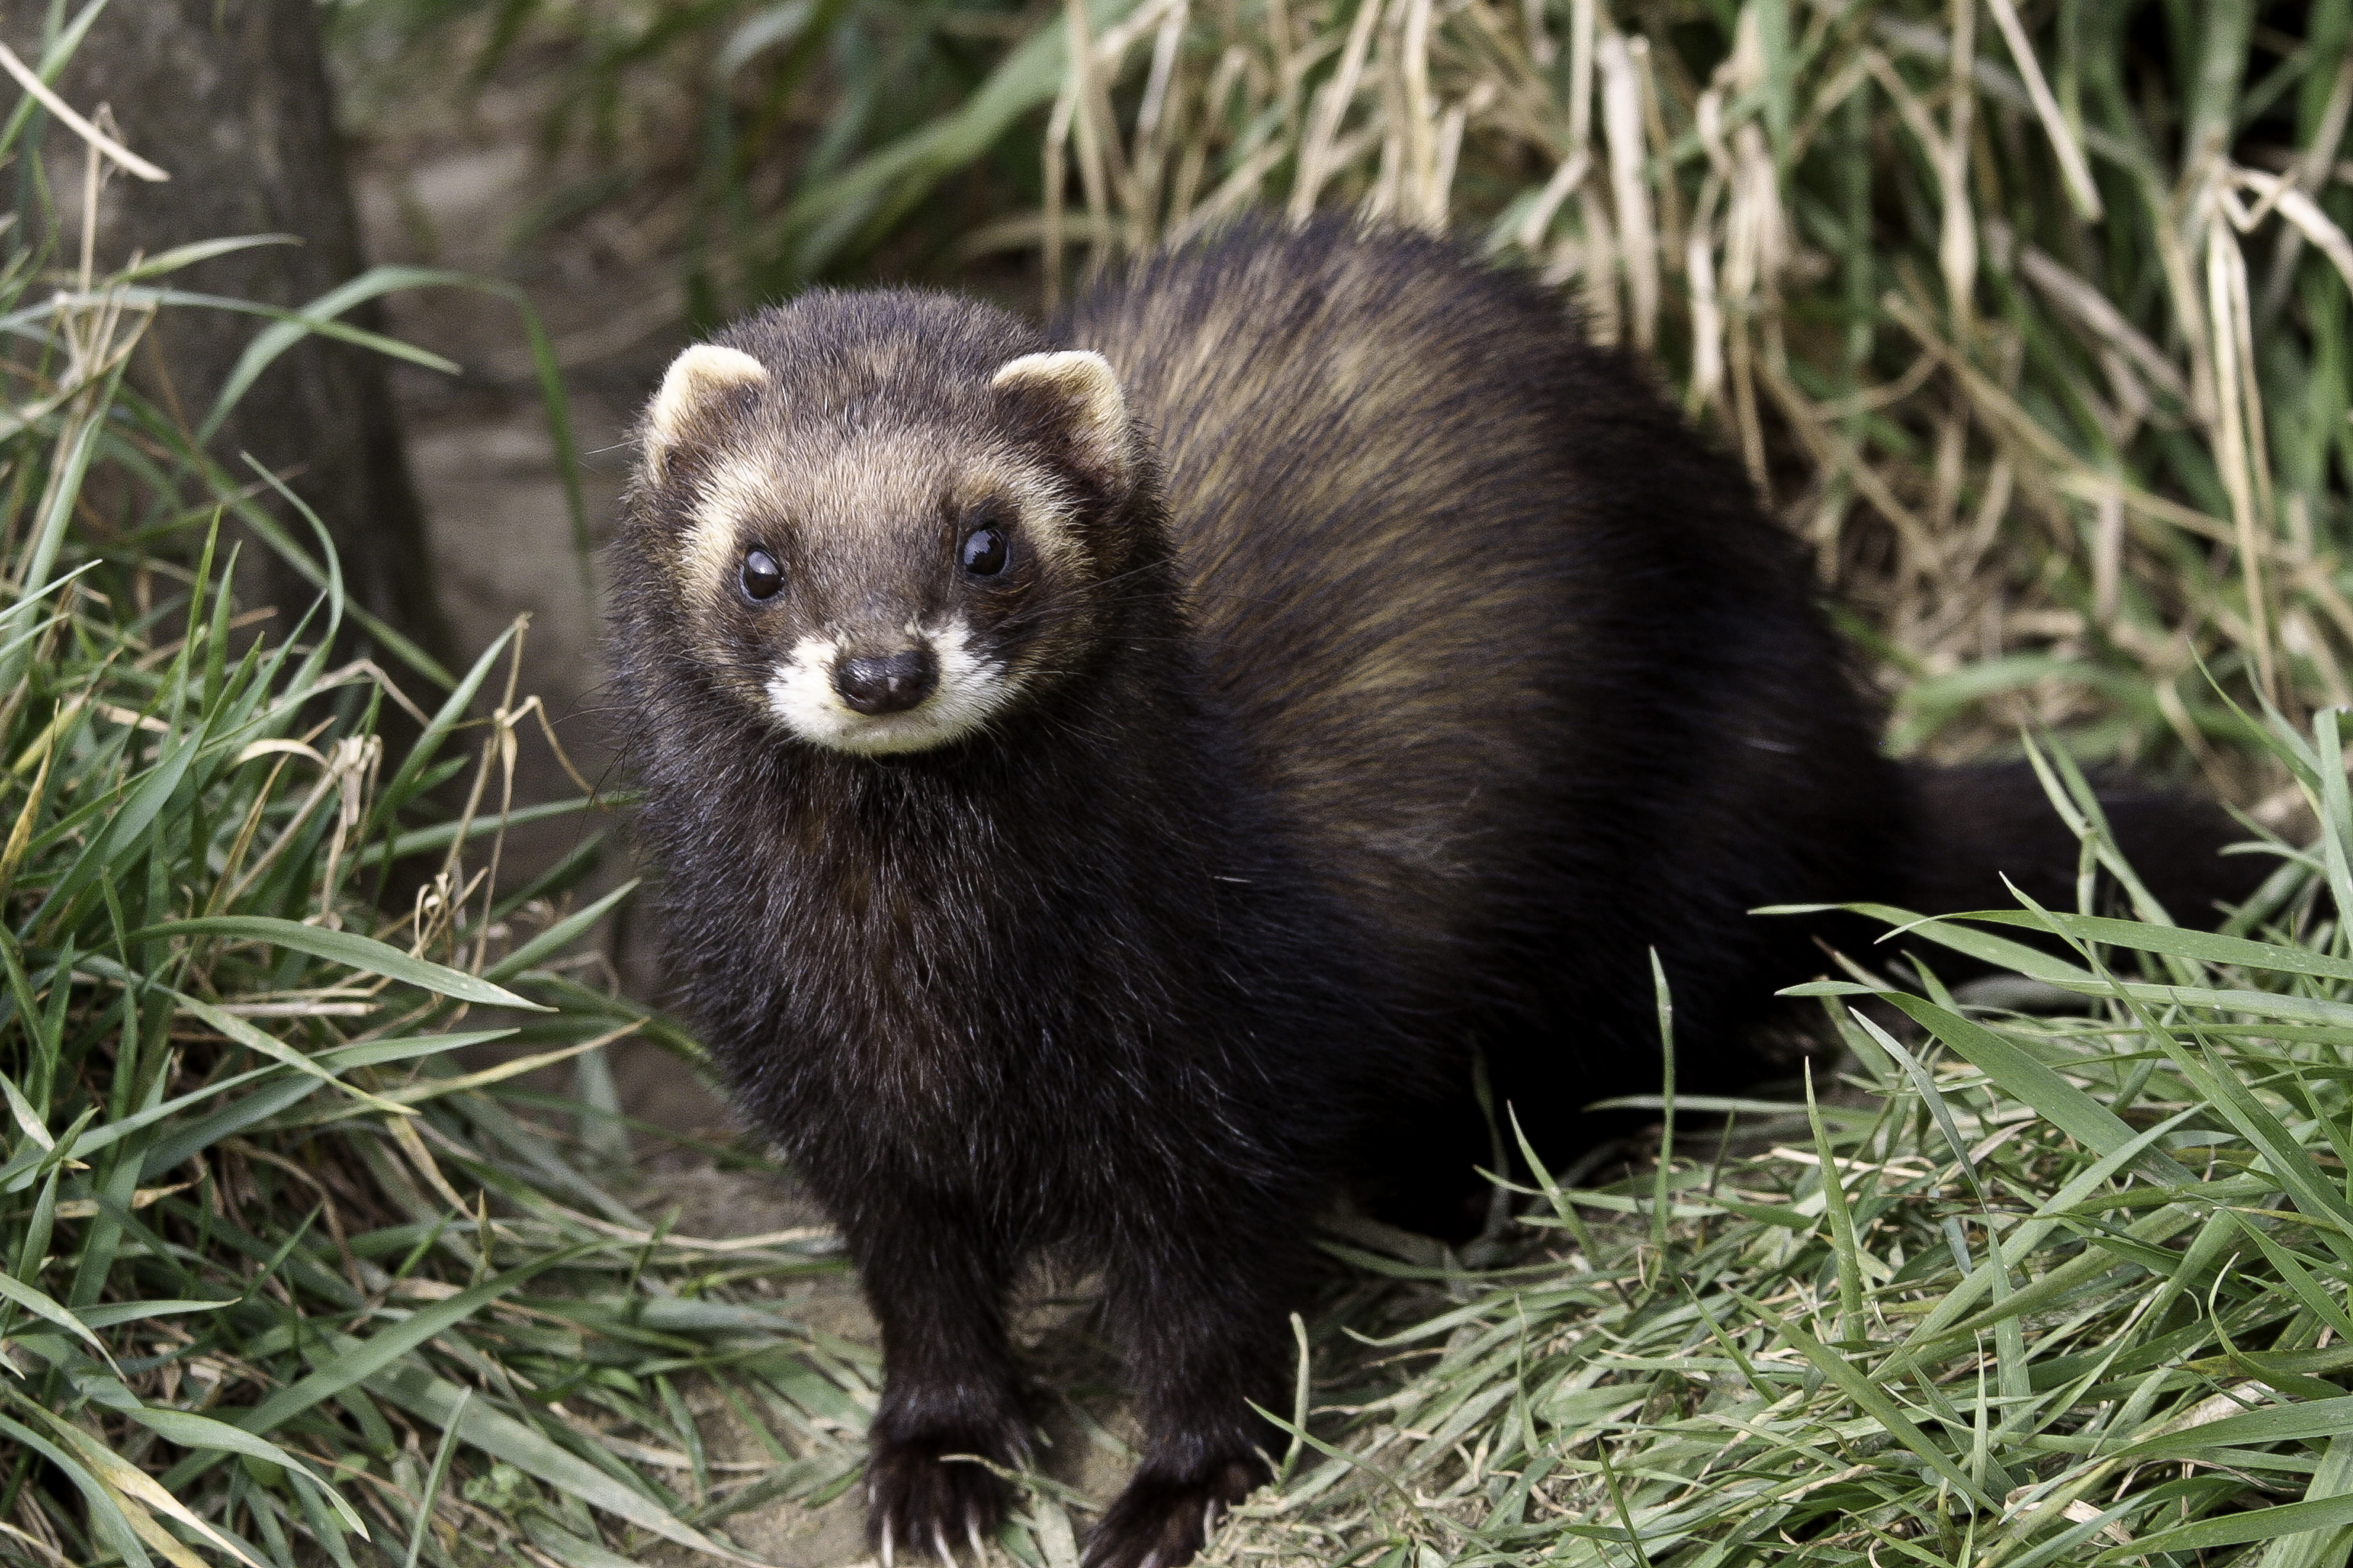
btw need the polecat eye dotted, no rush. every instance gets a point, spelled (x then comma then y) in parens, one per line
(984, 552)
(762, 577)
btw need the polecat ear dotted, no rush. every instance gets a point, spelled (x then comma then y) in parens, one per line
(695, 379)
(1075, 396)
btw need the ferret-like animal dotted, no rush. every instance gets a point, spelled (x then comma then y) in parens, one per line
(1112, 782)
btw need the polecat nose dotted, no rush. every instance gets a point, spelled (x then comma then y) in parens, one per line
(887, 683)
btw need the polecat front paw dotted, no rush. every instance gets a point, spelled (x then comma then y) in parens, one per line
(1165, 1515)
(919, 1501)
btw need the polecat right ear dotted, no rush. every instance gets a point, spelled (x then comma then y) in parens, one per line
(1076, 398)
(696, 379)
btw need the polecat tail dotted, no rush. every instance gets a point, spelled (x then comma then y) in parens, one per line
(1982, 824)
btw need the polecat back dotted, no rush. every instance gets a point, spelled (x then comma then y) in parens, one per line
(1515, 649)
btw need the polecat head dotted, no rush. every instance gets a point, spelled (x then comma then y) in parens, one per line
(885, 520)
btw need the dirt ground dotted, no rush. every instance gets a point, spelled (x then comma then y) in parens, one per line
(441, 187)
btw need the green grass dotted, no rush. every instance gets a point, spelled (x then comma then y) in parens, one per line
(287, 1274)
(2077, 1292)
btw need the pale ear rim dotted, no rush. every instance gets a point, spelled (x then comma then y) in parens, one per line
(1089, 390)
(1081, 373)
(697, 376)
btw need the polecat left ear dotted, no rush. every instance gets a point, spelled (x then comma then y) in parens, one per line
(1076, 399)
(696, 379)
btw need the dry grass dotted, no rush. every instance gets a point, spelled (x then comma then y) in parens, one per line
(2049, 365)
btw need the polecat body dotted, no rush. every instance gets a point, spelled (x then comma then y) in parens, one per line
(1110, 782)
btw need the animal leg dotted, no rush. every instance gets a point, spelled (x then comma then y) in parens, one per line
(937, 1280)
(1206, 1327)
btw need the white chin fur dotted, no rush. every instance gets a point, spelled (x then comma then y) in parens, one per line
(801, 695)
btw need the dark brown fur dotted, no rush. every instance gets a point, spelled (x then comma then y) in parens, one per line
(1431, 673)
(1539, 686)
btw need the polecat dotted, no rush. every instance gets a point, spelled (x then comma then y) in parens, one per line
(1112, 781)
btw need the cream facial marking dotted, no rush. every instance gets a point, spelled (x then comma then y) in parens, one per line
(694, 378)
(827, 492)
(971, 688)
(801, 691)
(733, 493)
(1042, 504)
